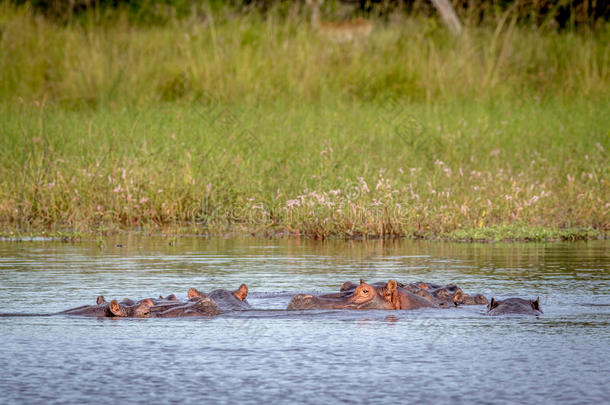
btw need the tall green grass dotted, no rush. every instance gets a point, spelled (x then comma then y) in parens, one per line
(248, 123)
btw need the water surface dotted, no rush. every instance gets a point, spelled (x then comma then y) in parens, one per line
(273, 355)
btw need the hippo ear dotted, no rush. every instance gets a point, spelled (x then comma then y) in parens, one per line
(362, 281)
(458, 297)
(493, 303)
(147, 301)
(535, 304)
(391, 286)
(117, 309)
(241, 293)
(171, 297)
(100, 300)
(194, 293)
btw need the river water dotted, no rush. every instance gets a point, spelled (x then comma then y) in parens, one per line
(272, 355)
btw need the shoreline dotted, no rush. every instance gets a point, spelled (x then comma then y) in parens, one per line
(497, 234)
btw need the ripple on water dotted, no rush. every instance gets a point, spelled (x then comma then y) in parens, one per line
(270, 354)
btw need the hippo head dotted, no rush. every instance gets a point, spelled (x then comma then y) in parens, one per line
(367, 296)
(480, 299)
(140, 310)
(450, 293)
(514, 306)
(241, 293)
(363, 293)
(442, 293)
(535, 304)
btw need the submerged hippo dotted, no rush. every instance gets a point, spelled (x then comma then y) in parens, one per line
(444, 297)
(448, 295)
(514, 306)
(365, 296)
(225, 299)
(348, 288)
(196, 306)
(402, 298)
(102, 309)
(474, 299)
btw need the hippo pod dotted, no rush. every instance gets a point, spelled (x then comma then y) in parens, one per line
(442, 296)
(198, 304)
(388, 296)
(514, 306)
(437, 296)
(447, 295)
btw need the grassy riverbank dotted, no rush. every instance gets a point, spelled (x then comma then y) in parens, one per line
(257, 124)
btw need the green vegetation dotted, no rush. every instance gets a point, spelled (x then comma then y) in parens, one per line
(249, 123)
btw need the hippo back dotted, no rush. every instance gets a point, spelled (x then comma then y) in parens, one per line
(516, 306)
(227, 301)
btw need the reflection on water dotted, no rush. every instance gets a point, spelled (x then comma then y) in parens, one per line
(269, 354)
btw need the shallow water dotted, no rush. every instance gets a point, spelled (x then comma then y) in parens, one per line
(272, 355)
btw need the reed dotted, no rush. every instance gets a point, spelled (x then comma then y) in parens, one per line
(252, 123)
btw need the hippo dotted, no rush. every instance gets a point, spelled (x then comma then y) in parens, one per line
(365, 296)
(447, 296)
(308, 301)
(474, 299)
(160, 306)
(113, 308)
(348, 286)
(196, 306)
(347, 289)
(426, 286)
(402, 298)
(224, 299)
(146, 308)
(514, 306)
(170, 300)
(459, 297)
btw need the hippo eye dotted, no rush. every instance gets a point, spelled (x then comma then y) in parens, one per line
(365, 291)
